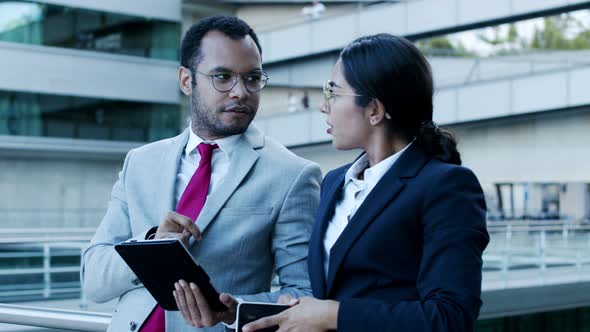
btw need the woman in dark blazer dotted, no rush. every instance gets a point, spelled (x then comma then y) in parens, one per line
(398, 240)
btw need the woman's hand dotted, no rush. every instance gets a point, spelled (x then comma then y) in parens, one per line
(310, 315)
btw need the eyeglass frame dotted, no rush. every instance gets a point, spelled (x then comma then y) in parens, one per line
(329, 94)
(235, 75)
(327, 98)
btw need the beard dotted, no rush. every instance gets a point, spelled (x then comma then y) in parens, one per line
(209, 119)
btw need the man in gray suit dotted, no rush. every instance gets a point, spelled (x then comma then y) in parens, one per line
(261, 199)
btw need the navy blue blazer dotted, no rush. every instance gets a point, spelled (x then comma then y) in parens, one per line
(410, 258)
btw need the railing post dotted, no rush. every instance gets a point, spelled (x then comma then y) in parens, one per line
(579, 264)
(83, 300)
(505, 264)
(543, 247)
(46, 271)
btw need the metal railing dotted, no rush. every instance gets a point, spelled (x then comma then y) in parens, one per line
(40, 270)
(540, 253)
(520, 253)
(54, 318)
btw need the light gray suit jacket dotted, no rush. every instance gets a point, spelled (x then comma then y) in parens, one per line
(257, 222)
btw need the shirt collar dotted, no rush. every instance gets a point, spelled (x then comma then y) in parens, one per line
(372, 175)
(227, 144)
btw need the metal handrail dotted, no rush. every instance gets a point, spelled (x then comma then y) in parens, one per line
(53, 318)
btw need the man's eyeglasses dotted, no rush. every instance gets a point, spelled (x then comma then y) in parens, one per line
(225, 81)
(329, 93)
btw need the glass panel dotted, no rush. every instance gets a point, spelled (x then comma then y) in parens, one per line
(59, 26)
(29, 114)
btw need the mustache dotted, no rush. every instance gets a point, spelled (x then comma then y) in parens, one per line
(240, 108)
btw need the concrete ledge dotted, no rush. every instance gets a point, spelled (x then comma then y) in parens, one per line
(48, 147)
(527, 300)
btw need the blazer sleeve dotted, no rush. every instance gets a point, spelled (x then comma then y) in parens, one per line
(104, 274)
(291, 235)
(449, 278)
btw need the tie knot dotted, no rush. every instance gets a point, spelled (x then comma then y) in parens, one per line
(206, 150)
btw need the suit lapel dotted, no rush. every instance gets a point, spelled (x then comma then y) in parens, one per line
(242, 160)
(169, 161)
(316, 247)
(386, 190)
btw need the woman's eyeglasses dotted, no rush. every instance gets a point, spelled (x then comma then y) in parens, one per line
(329, 93)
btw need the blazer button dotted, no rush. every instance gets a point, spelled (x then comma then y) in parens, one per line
(132, 326)
(135, 282)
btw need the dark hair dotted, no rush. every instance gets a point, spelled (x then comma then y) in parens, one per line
(233, 27)
(392, 70)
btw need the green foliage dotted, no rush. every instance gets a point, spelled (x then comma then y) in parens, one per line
(559, 32)
(442, 46)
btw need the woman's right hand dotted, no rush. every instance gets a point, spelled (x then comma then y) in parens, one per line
(309, 315)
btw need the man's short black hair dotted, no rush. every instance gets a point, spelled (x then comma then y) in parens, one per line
(233, 27)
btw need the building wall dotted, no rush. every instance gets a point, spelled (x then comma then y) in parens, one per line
(536, 148)
(163, 9)
(49, 182)
(279, 100)
(269, 17)
(55, 192)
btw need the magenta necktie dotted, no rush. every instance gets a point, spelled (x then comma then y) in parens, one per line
(190, 205)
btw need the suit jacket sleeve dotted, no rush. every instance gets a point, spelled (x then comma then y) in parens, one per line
(449, 278)
(104, 275)
(291, 236)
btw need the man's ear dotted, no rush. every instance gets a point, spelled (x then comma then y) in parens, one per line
(376, 112)
(185, 81)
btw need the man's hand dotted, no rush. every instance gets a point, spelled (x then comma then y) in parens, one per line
(310, 315)
(178, 226)
(196, 311)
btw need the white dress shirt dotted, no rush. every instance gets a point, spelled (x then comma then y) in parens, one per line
(354, 193)
(189, 162)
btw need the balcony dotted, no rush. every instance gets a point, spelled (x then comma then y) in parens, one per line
(407, 18)
(467, 90)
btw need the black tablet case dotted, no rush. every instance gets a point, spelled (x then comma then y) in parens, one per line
(158, 264)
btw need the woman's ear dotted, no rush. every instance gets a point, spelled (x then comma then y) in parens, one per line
(185, 81)
(376, 112)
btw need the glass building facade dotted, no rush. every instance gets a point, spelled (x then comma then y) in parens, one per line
(49, 115)
(30, 114)
(52, 25)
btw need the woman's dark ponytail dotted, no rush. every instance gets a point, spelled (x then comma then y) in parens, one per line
(438, 143)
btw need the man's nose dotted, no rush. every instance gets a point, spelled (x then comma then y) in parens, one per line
(239, 91)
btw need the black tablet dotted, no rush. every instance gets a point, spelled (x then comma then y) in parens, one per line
(158, 264)
(252, 311)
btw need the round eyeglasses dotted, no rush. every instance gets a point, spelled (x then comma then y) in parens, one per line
(329, 93)
(225, 81)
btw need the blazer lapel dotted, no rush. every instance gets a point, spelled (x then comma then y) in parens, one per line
(169, 162)
(316, 255)
(242, 160)
(386, 190)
